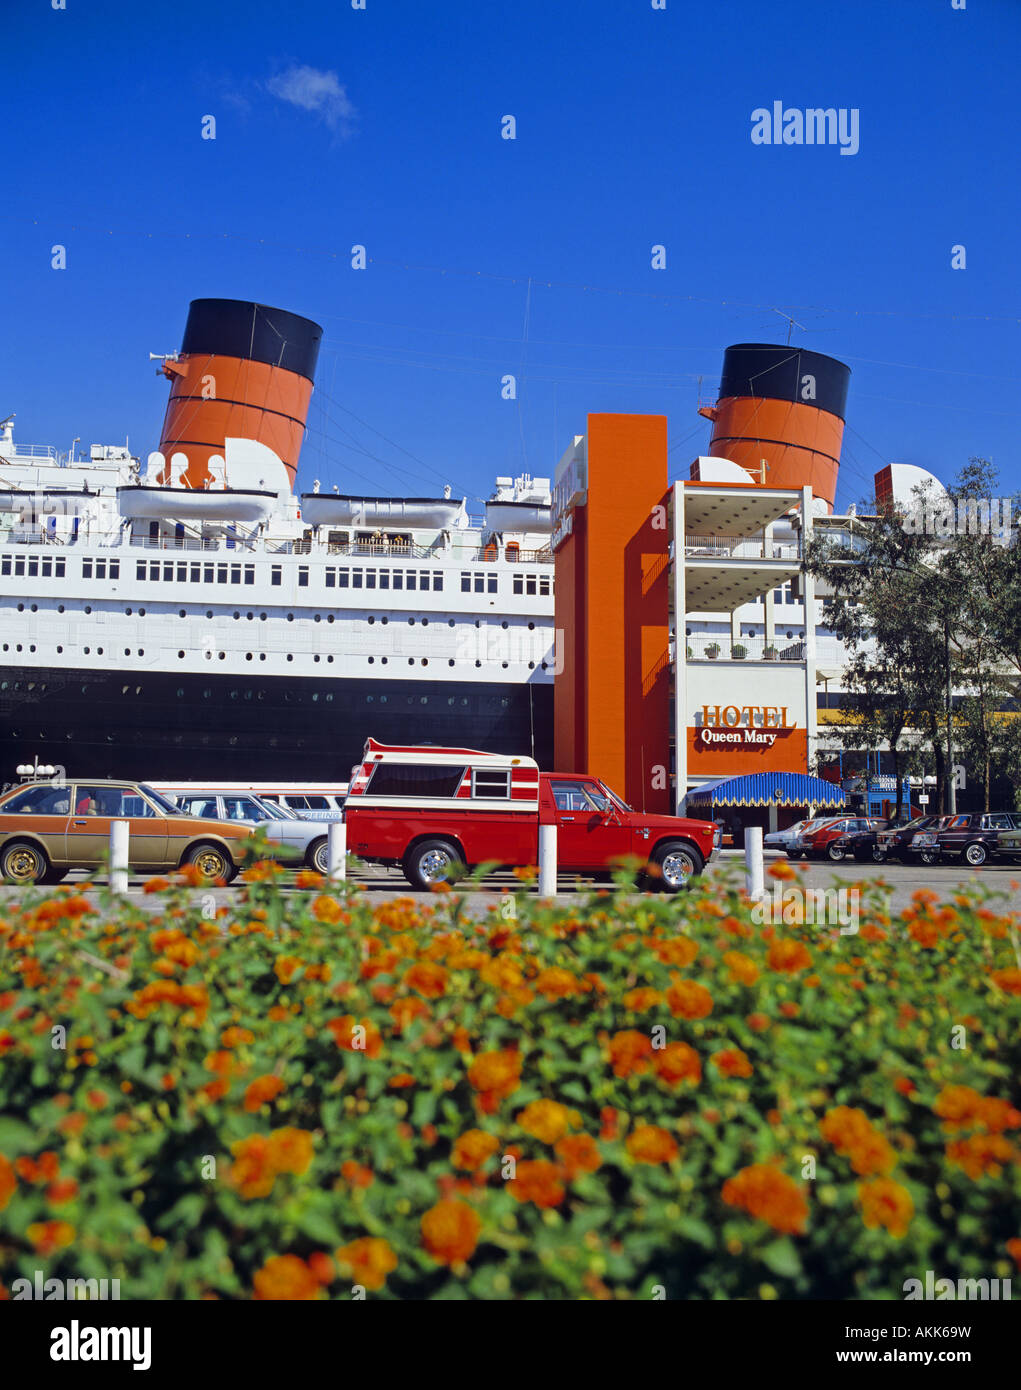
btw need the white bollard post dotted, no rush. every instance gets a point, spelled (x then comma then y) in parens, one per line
(119, 832)
(547, 861)
(755, 879)
(336, 838)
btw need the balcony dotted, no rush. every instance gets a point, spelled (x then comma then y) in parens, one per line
(740, 548)
(708, 646)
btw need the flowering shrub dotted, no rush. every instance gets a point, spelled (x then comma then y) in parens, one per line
(318, 1093)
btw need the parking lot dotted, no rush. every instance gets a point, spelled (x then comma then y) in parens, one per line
(901, 880)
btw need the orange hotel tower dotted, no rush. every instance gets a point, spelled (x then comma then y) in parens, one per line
(780, 415)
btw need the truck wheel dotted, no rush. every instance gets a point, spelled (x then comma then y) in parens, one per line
(976, 855)
(432, 861)
(929, 856)
(678, 862)
(23, 862)
(318, 856)
(212, 862)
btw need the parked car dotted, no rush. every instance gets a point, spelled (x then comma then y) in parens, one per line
(975, 837)
(795, 850)
(47, 828)
(303, 840)
(824, 841)
(924, 844)
(782, 839)
(895, 843)
(1009, 843)
(435, 811)
(864, 845)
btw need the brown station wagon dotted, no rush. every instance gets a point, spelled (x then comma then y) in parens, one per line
(47, 829)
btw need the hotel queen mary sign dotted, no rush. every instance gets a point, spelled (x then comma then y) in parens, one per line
(742, 726)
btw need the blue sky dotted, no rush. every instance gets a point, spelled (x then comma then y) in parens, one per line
(530, 256)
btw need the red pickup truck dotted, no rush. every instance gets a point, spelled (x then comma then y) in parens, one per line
(434, 811)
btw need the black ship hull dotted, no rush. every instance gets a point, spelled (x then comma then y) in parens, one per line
(163, 725)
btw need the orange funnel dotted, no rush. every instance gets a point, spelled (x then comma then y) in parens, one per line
(245, 371)
(783, 405)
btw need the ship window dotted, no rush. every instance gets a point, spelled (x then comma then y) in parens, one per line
(480, 583)
(410, 580)
(47, 568)
(5, 567)
(466, 583)
(491, 782)
(86, 569)
(182, 574)
(207, 574)
(414, 780)
(235, 574)
(140, 569)
(544, 584)
(221, 574)
(343, 579)
(491, 583)
(398, 579)
(384, 579)
(303, 576)
(33, 566)
(60, 569)
(19, 565)
(196, 574)
(276, 574)
(101, 569)
(249, 574)
(154, 570)
(331, 578)
(370, 579)
(356, 579)
(168, 573)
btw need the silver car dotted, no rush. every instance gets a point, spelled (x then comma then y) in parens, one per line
(783, 839)
(303, 840)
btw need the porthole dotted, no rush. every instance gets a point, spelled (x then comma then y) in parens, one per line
(372, 660)
(383, 660)
(180, 654)
(790, 634)
(209, 612)
(318, 619)
(141, 612)
(505, 665)
(127, 651)
(329, 618)
(262, 657)
(32, 649)
(88, 608)
(21, 608)
(248, 656)
(85, 649)
(425, 622)
(478, 623)
(450, 662)
(371, 621)
(249, 616)
(411, 622)
(290, 657)
(315, 658)
(262, 617)
(35, 608)
(531, 627)
(290, 617)
(505, 624)
(425, 661)
(59, 649)
(60, 608)
(478, 663)
(411, 659)
(181, 613)
(384, 621)
(223, 656)
(531, 665)
(450, 622)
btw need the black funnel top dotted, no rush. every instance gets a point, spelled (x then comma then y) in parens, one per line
(239, 328)
(766, 369)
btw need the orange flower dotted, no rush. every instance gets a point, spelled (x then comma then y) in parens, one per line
(630, 1052)
(578, 1153)
(234, 1037)
(539, 1181)
(427, 979)
(50, 1236)
(1013, 1248)
(555, 983)
(262, 1090)
(904, 1086)
(609, 1123)
(64, 1190)
(305, 878)
(155, 885)
(961, 1107)
(328, 910)
(473, 1149)
(981, 1155)
(677, 1062)
(782, 870)
(731, 1061)
(290, 1150)
(356, 1174)
(743, 970)
(8, 1182)
(286, 967)
(651, 1144)
(450, 1231)
(885, 1203)
(679, 950)
(495, 1075)
(286, 1277)
(640, 1000)
(367, 1260)
(688, 999)
(356, 1036)
(788, 957)
(758, 1022)
(252, 1171)
(769, 1195)
(44, 1169)
(1007, 980)
(405, 1011)
(547, 1120)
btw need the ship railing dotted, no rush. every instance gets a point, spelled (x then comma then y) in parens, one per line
(710, 646)
(740, 548)
(192, 543)
(487, 554)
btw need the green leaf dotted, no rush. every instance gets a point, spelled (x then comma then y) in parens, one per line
(16, 1137)
(782, 1258)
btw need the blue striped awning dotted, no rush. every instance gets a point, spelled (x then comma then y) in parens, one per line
(768, 789)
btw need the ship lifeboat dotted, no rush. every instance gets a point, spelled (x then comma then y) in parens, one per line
(341, 509)
(145, 502)
(528, 517)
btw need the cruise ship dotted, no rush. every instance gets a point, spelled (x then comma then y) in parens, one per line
(193, 615)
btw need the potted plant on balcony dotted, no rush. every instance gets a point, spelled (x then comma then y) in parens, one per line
(712, 650)
(769, 653)
(739, 651)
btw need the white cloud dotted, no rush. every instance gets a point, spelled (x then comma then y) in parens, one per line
(317, 91)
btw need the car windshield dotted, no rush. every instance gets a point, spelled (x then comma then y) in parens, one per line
(163, 802)
(621, 805)
(275, 812)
